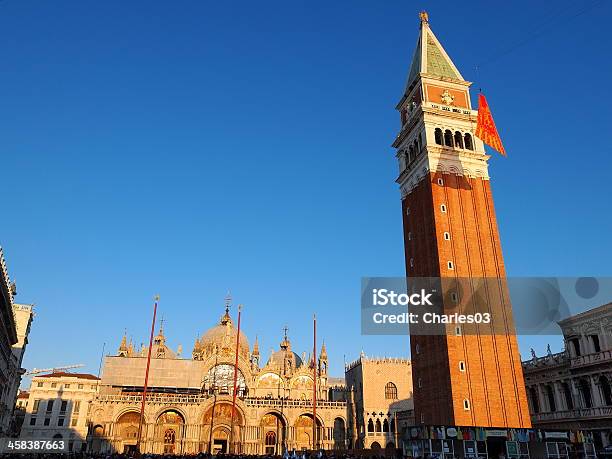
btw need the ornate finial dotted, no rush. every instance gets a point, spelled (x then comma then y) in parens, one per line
(226, 319)
(285, 344)
(228, 301)
(424, 17)
(156, 298)
(123, 347)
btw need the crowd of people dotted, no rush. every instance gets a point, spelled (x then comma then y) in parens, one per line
(299, 455)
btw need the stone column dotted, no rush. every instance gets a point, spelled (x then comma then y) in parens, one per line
(570, 348)
(543, 398)
(578, 399)
(559, 397)
(604, 338)
(587, 348)
(572, 394)
(595, 391)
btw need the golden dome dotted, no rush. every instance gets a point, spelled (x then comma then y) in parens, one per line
(222, 339)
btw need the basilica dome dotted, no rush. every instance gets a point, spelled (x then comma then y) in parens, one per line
(221, 339)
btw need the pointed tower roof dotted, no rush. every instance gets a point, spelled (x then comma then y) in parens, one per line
(256, 346)
(430, 57)
(323, 354)
(123, 348)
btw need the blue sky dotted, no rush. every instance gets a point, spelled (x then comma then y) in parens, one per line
(190, 148)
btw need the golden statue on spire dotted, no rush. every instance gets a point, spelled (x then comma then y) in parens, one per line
(424, 16)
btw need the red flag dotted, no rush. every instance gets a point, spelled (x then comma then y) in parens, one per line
(485, 126)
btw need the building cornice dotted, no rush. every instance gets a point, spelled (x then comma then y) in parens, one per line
(446, 161)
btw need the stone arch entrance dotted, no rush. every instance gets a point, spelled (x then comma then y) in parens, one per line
(169, 431)
(127, 431)
(216, 429)
(339, 433)
(274, 431)
(304, 432)
(97, 436)
(220, 439)
(270, 442)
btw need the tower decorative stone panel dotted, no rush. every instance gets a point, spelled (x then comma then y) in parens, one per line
(450, 231)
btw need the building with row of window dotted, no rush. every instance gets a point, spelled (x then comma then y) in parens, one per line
(15, 321)
(57, 407)
(572, 389)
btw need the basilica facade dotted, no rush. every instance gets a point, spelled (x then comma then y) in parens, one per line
(188, 405)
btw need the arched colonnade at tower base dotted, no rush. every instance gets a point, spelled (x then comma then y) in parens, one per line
(186, 428)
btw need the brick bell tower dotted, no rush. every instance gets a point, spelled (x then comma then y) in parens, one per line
(450, 231)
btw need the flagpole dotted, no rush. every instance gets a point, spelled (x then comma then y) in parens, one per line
(314, 390)
(212, 414)
(235, 383)
(146, 380)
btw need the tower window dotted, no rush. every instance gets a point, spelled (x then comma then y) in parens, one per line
(468, 142)
(407, 210)
(390, 391)
(417, 348)
(420, 383)
(412, 262)
(446, 236)
(440, 182)
(462, 366)
(458, 330)
(450, 265)
(466, 404)
(443, 208)
(438, 136)
(448, 138)
(458, 139)
(410, 235)
(454, 297)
